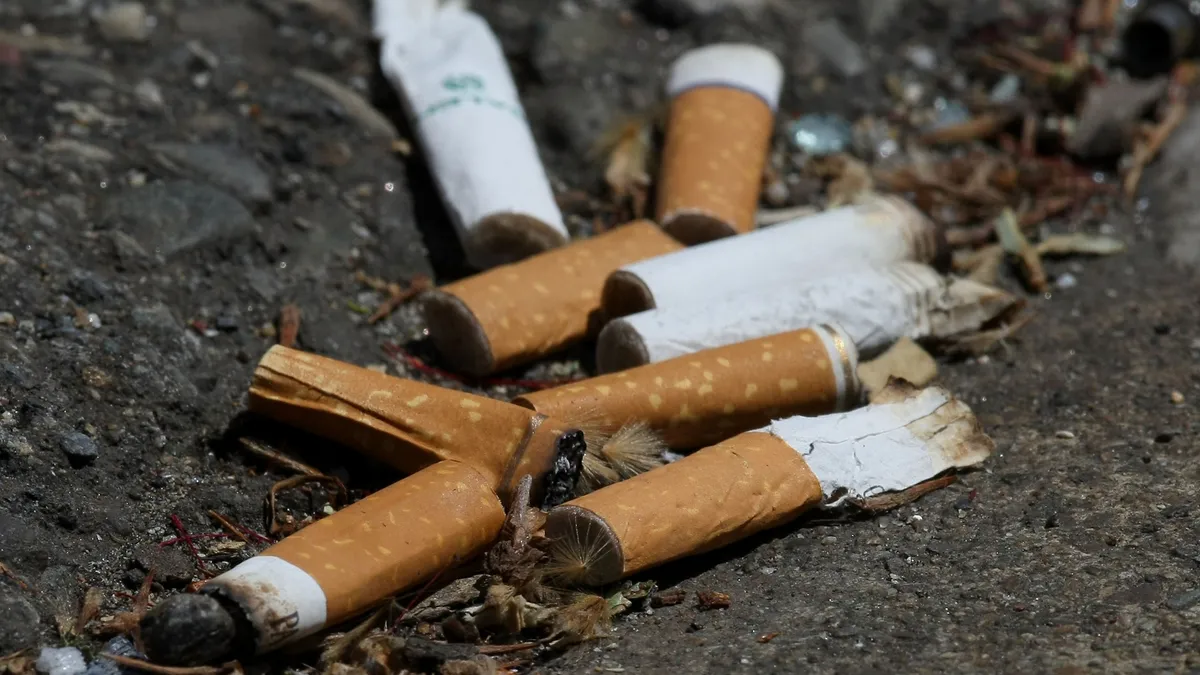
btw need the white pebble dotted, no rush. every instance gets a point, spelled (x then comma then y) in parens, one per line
(1067, 435)
(61, 661)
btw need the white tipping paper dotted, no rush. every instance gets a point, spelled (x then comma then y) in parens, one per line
(452, 76)
(737, 66)
(886, 447)
(281, 600)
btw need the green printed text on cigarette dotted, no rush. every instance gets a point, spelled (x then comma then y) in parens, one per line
(468, 89)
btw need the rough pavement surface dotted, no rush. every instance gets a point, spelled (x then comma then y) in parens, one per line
(169, 181)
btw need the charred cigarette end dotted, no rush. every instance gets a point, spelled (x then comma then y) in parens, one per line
(584, 549)
(195, 628)
(620, 347)
(625, 293)
(518, 313)
(457, 334)
(564, 473)
(722, 115)
(926, 242)
(1158, 38)
(503, 238)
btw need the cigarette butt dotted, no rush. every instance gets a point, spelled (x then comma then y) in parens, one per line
(719, 133)
(762, 479)
(351, 561)
(518, 313)
(454, 80)
(875, 306)
(410, 425)
(708, 396)
(876, 233)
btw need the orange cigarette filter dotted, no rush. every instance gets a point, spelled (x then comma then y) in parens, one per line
(669, 513)
(353, 560)
(515, 314)
(701, 398)
(723, 100)
(407, 424)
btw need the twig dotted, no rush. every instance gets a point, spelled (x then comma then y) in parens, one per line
(975, 129)
(6, 571)
(289, 325)
(273, 455)
(398, 296)
(895, 500)
(1149, 148)
(230, 667)
(229, 527)
(496, 650)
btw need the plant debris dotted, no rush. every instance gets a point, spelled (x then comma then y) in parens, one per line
(707, 600)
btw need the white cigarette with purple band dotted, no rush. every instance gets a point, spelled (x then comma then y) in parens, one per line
(451, 73)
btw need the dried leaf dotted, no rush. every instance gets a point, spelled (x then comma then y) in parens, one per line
(1008, 231)
(905, 360)
(1079, 244)
(713, 600)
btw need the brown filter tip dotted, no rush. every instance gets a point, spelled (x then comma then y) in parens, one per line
(585, 551)
(503, 238)
(620, 347)
(460, 337)
(624, 294)
(697, 228)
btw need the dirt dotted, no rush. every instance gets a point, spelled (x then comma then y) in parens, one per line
(160, 201)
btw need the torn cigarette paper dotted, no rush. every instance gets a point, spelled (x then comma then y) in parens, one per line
(763, 479)
(875, 306)
(452, 75)
(878, 232)
(722, 114)
(349, 562)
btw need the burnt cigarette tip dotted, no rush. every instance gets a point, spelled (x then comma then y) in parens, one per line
(568, 463)
(620, 347)
(1158, 38)
(624, 294)
(697, 228)
(504, 238)
(189, 629)
(584, 549)
(457, 333)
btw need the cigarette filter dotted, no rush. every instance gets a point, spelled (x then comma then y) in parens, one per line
(875, 306)
(353, 560)
(520, 312)
(708, 396)
(719, 132)
(452, 75)
(880, 231)
(765, 478)
(411, 425)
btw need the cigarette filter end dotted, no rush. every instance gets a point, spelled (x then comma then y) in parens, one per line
(584, 550)
(459, 336)
(620, 347)
(503, 238)
(625, 293)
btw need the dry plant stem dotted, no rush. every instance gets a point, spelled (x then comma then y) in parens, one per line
(138, 664)
(289, 325)
(496, 650)
(1031, 62)
(229, 527)
(1149, 148)
(272, 455)
(341, 644)
(297, 481)
(5, 571)
(399, 296)
(895, 500)
(89, 609)
(975, 129)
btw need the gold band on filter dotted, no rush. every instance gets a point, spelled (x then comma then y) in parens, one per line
(517, 313)
(701, 398)
(707, 500)
(713, 160)
(433, 520)
(403, 423)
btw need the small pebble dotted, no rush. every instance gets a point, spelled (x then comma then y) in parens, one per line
(7, 319)
(1177, 398)
(125, 21)
(1066, 280)
(61, 661)
(78, 446)
(1064, 435)
(829, 539)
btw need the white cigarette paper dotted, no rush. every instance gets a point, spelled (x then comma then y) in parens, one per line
(875, 307)
(878, 232)
(904, 438)
(452, 76)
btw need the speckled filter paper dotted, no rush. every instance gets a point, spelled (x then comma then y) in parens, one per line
(764, 478)
(403, 423)
(452, 75)
(351, 561)
(712, 395)
(875, 306)
(876, 233)
(518, 313)
(717, 140)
